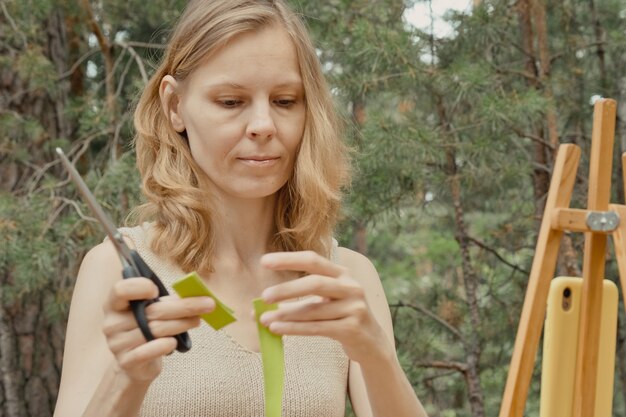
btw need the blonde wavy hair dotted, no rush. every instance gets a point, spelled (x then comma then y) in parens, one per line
(308, 204)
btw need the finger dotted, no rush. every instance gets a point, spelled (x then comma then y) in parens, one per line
(118, 322)
(125, 341)
(310, 311)
(177, 308)
(327, 328)
(131, 289)
(322, 286)
(168, 308)
(305, 261)
(146, 352)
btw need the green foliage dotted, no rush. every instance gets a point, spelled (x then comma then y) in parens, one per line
(16, 132)
(37, 71)
(27, 256)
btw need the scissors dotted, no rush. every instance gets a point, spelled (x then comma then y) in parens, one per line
(132, 264)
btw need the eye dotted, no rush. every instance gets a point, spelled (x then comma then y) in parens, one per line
(285, 102)
(230, 103)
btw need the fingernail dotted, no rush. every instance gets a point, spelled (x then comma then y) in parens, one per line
(266, 318)
(266, 295)
(268, 259)
(208, 303)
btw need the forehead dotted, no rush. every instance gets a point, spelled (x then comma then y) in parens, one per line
(262, 56)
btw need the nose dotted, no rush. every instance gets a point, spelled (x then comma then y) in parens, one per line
(261, 124)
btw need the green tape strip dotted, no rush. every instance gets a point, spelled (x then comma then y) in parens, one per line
(273, 357)
(192, 286)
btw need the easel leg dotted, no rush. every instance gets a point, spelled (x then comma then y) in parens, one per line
(619, 242)
(619, 235)
(542, 272)
(594, 260)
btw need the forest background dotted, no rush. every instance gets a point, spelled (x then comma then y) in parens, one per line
(455, 138)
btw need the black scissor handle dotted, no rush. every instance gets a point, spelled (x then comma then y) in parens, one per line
(183, 341)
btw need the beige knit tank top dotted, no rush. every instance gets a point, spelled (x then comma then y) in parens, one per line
(220, 378)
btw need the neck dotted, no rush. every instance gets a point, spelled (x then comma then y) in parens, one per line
(244, 229)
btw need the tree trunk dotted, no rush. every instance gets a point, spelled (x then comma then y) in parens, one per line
(106, 48)
(470, 280)
(359, 241)
(359, 117)
(598, 32)
(31, 348)
(541, 177)
(533, 28)
(31, 343)
(538, 10)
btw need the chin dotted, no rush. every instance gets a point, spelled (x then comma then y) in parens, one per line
(259, 191)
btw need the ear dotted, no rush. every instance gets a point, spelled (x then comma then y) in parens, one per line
(170, 101)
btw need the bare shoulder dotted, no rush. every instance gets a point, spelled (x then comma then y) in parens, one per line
(106, 250)
(86, 355)
(100, 270)
(101, 267)
(103, 253)
(363, 271)
(361, 268)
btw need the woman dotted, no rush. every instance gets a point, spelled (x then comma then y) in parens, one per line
(242, 164)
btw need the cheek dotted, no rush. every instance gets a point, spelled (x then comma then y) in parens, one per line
(209, 150)
(295, 132)
(209, 136)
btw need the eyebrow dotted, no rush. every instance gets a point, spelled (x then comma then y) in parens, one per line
(290, 83)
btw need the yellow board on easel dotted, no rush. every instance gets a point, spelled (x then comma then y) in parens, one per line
(558, 367)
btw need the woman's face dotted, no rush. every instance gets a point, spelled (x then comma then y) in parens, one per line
(244, 113)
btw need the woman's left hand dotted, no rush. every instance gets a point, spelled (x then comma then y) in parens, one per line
(338, 308)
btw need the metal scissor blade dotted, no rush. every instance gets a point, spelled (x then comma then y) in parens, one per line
(105, 221)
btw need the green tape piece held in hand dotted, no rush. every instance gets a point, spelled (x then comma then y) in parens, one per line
(192, 286)
(273, 357)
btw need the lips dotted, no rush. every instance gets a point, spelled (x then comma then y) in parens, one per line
(259, 160)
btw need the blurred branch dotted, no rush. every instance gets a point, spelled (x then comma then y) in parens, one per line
(52, 217)
(457, 366)
(515, 45)
(497, 255)
(585, 46)
(460, 129)
(142, 69)
(387, 77)
(146, 45)
(524, 74)
(118, 129)
(78, 210)
(80, 146)
(433, 316)
(532, 137)
(13, 25)
(77, 64)
(107, 54)
(120, 83)
(428, 379)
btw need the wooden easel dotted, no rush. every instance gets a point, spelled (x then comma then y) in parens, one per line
(597, 221)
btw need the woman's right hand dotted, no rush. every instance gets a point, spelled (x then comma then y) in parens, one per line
(138, 359)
